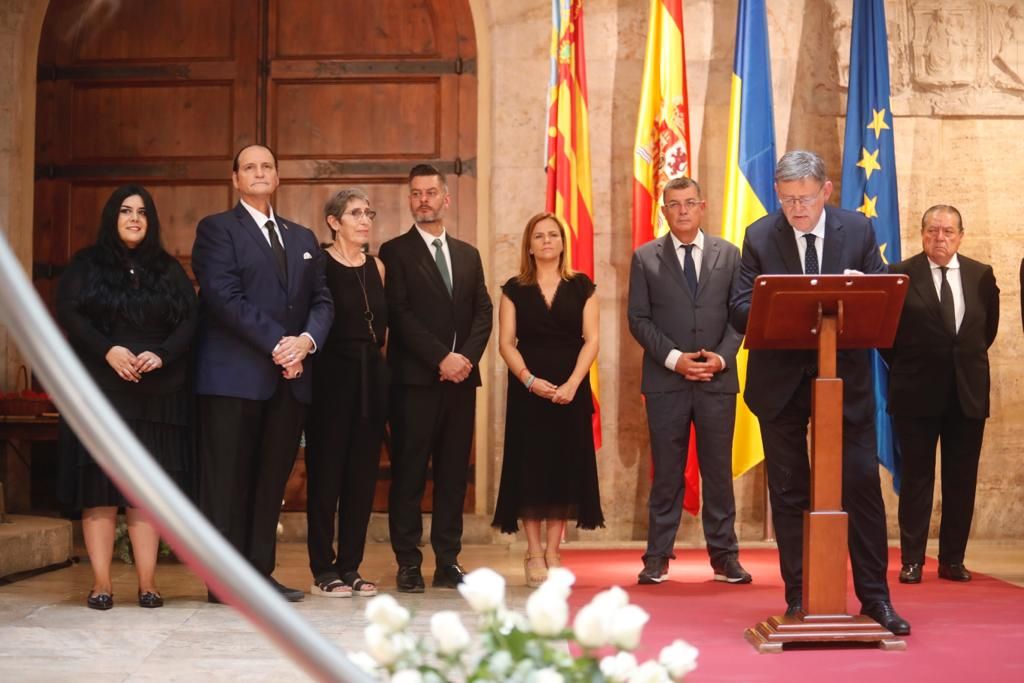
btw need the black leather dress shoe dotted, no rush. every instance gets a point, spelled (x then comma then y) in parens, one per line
(655, 570)
(289, 594)
(954, 572)
(794, 609)
(911, 572)
(448, 576)
(150, 599)
(100, 601)
(409, 579)
(886, 616)
(731, 571)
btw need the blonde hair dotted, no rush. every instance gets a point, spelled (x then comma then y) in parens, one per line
(528, 264)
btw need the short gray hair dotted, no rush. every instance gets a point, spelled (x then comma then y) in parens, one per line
(680, 183)
(337, 204)
(799, 164)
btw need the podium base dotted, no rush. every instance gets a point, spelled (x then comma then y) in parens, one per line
(832, 629)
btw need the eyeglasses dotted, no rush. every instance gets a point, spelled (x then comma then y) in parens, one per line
(688, 205)
(790, 202)
(360, 213)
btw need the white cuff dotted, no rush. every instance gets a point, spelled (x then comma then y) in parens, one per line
(311, 341)
(672, 359)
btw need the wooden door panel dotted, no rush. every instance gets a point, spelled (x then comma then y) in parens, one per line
(382, 28)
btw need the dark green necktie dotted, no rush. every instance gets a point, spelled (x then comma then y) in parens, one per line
(442, 265)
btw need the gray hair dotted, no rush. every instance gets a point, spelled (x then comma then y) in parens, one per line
(942, 208)
(799, 164)
(337, 204)
(680, 183)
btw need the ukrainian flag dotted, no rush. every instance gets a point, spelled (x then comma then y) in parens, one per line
(749, 180)
(869, 175)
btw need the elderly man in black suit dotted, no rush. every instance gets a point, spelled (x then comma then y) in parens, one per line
(805, 237)
(939, 389)
(441, 318)
(679, 289)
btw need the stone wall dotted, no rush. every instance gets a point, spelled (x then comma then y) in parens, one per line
(957, 124)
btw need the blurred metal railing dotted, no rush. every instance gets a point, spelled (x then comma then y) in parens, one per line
(122, 457)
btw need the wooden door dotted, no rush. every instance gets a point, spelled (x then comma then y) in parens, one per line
(164, 92)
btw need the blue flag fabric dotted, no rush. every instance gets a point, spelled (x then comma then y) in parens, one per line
(869, 175)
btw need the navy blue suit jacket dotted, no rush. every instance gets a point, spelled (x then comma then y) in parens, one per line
(769, 248)
(246, 306)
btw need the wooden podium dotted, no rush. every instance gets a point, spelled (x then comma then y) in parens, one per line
(827, 313)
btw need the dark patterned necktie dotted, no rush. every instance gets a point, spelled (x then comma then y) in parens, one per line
(277, 248)
(690, 269)
(946, 302)
(811, 256)
(442, 264)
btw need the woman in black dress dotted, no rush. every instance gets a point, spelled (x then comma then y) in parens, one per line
(345, 426)
(130, 312)
(547, 334)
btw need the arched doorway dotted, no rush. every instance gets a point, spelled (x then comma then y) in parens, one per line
(163, 92)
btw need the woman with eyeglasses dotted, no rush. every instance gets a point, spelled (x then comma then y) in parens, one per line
(345, 425)
(129, 311)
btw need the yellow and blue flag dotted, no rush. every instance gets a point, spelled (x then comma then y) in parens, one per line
(749, 178)
(869, 175)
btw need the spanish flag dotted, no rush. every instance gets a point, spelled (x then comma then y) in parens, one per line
(661, 151)
(568, 150)
(749, 177)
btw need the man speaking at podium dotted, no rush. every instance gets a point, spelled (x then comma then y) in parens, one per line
(806, 238)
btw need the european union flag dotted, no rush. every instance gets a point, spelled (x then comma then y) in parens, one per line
(869, 174)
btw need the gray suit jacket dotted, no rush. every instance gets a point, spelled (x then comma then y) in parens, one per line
(664, 315)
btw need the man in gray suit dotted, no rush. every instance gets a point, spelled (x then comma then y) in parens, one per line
(679, 290)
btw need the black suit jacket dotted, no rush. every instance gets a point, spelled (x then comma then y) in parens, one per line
(424, 319)
(769, 247)
(926, 360)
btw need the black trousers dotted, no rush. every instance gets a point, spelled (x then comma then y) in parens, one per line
(430, 426)
(788, 468)
(961, 439)
(246, 452)
(669, 415)
(342, 461)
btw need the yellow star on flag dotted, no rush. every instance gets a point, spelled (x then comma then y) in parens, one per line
(869, 161)
(881, 252)
(878, 123)
(868, 207)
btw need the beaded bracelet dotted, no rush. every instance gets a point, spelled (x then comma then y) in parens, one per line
(529, 382)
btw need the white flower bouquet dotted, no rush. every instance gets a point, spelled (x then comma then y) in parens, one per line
(525, 649)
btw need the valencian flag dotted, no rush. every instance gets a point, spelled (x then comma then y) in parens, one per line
(869, 174)
(749, 178)
(662, 151)
(568, 150)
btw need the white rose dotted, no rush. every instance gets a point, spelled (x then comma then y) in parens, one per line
(626, 627)
(680, 658)
(499, 663)
(590, 626)
(617, 668)
(447, 629)
(363, 661)
(611, 599)
(548, 675)
(510, 620)
(385, 612)
(559, 581)
(649, 672)
(547, 611)
(483, 589)
(407, 676)
(386, 647)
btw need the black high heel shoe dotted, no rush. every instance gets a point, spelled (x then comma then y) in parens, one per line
(100, 601)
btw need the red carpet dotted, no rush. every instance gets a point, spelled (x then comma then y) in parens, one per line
(960, 632)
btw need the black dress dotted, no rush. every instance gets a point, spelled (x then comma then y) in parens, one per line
(345, 423)
(549, 469)
(100, 307)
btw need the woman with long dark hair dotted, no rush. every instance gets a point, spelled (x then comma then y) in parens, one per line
(345, 426)
(547, 335)
(130, 313)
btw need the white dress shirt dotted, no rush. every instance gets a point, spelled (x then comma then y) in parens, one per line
(261, 220)
(819, 244)
(956, 284)
(698, 258)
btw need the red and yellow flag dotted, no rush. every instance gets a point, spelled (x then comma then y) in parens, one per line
(568, 150)
(662, 152)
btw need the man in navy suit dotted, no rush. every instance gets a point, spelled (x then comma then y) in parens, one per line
(806, 238)
(264, 307)
(440, 321)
